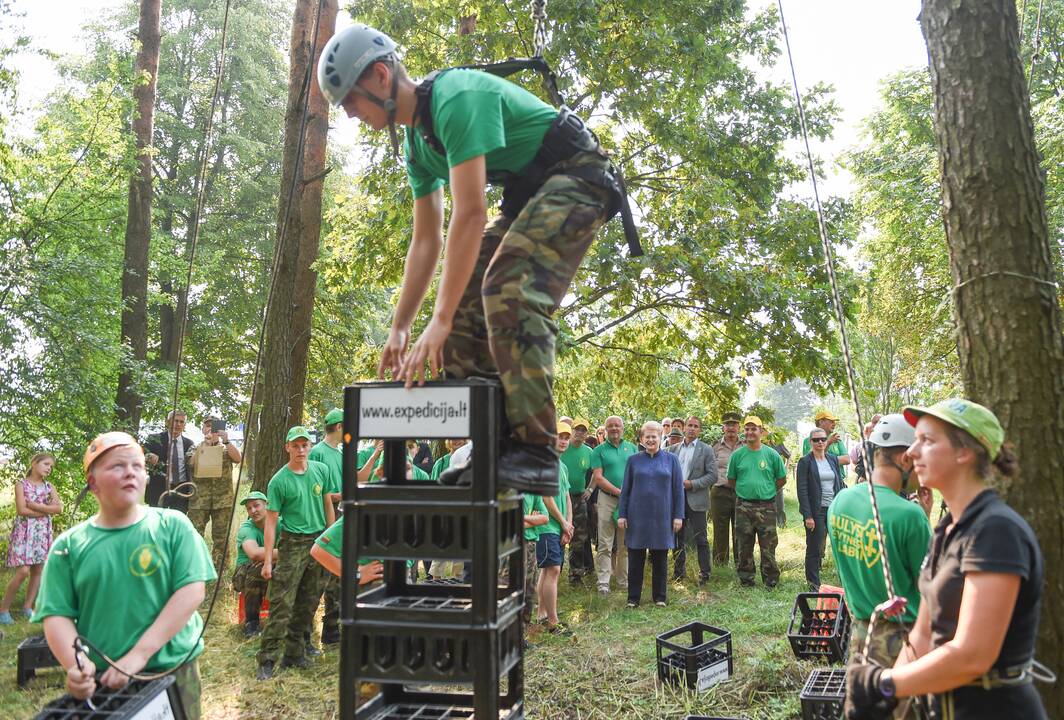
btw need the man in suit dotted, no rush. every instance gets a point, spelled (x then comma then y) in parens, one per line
(167, 457)
(699, 466)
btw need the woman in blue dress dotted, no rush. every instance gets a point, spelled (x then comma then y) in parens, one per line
(651, 509)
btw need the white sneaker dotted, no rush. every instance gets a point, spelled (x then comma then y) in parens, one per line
(604, 589)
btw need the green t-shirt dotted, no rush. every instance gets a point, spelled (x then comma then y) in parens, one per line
(113, 583)
(561, 500)
(613, 460)
(439, 466)
(856, 547)
(577, 461)
(416, 473)
(475, 113)
(332, 458)
(298, 498)
(332, 541)
(248, 531)
(836, 448)
(363, 456)
(533, 504)
(755, 472)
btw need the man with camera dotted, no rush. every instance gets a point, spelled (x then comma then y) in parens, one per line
(211, 464)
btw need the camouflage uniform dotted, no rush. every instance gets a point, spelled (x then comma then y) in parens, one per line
(503, 323)
(581, 562)
(189, 688)
(295, 590)
(213, 500)
(530, 580)
(756, 519)
(330, 618)
(885, 647)
(247, 579)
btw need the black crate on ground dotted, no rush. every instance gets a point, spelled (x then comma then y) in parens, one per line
(33, 654)
(399, 702)
(695, 655)
(820, 627)
(141, 698)
(823, 694)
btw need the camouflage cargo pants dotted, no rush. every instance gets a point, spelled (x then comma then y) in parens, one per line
(213, 500)
(189, 688)
(247, 579)
(503, 324)
(756, 520)
(530, 580)
(581, 561)
(295, 590)
(883, 649)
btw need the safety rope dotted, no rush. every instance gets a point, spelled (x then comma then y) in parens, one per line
(894, 605)
(1036, 46)
(539, 32)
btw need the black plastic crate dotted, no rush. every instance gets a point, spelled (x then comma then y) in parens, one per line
(403, 529)
(698, 664)
(396, 702)
(823, 694)
(33, 654)
(394, 651)
(141, 698)
(408, 711)
(432, 603)
(820, 627)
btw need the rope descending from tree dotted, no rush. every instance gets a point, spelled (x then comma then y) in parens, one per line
(539, 33)
(894, 605)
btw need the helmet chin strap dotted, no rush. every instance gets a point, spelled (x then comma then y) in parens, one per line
(389, 106)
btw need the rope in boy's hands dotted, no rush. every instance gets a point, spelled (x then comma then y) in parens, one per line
(82, 685)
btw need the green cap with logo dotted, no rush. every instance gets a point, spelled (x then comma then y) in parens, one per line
(971, 417)
(335, 415)
(256, 495)
(298, 432)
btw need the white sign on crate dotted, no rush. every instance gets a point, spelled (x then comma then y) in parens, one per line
(158, 709)
(713, 674)
(420, 412)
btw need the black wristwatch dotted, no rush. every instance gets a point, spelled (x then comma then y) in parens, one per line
(886, 685)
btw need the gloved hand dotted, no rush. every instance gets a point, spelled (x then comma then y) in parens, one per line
(864, 701)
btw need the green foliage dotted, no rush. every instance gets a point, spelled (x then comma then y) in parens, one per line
(733, 281)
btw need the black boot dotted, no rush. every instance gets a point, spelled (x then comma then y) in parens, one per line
(530, 468)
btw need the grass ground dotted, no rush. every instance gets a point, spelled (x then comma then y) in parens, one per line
(606, 671)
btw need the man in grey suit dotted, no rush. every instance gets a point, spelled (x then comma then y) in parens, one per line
(699, 466)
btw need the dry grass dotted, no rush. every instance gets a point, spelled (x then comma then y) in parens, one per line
(606, 671)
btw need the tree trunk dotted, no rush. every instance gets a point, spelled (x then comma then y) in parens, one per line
(313, 175)
(281, 389)
(1008, 316)
(138, 221)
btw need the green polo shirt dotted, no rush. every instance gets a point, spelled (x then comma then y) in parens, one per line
(332, 458)
(533, 504)
(613, 460)
(755, 472)
(577, 461)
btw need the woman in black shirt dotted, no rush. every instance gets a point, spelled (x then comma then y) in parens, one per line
(980, 588)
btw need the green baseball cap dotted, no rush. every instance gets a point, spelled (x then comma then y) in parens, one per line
(971, 417)
(731, 417)
(253, 496)
(298, 432)
(334, 416)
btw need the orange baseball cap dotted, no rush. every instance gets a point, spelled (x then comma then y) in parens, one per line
(108, 441)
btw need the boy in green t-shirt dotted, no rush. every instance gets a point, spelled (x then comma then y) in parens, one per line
(250, 551)
(907, 531)
(553, 537)
(128, 581)
(501, 280)
(535, 517)
(328, 551)
(295, 495)
(330, 452)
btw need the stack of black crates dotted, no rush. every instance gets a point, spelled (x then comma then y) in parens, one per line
(820, 630)
(440, 650)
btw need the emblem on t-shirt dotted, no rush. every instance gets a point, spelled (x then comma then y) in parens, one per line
(762, 464)
(145, 560)
(856, 540)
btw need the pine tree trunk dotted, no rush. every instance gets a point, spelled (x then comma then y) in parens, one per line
(281, 389)
(1008, 316)
(314, 147)
(138, 221)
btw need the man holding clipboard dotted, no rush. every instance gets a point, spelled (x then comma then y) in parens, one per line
(212, 471)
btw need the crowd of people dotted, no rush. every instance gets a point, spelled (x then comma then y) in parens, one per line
(129, 581)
